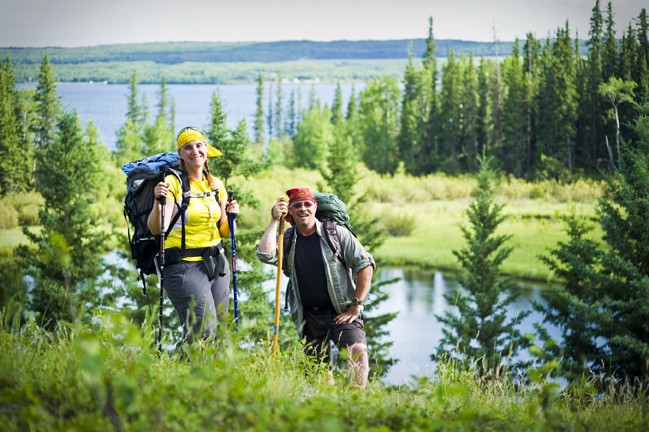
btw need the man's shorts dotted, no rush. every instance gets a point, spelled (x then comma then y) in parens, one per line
(320, 328)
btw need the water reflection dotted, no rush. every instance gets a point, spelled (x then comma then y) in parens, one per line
(415, 332)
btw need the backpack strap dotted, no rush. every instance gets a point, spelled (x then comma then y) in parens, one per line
(332, 238)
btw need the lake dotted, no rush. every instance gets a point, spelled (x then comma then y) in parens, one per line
(105, 104)
(417, 297)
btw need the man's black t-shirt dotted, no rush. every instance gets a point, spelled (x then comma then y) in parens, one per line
(310, 271)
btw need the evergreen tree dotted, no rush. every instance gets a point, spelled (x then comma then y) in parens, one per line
(234, 145)
(379, 124)
(313, 137)
(409, 138)
(15, 155)
(279, 108)
(270, 117)
(624, 271)
(337, 105)
(48, 105)
(480, 334)
(260, 138)
(450, 115)
(557, 107)
(514, 115)
(468, 144)
(129, 145)
(429, 95)
(574, 307)
(133, 109)
(590, 122)
(610, 56)
(64, 258)
(159, 137)
(291, 115)
(483, 127)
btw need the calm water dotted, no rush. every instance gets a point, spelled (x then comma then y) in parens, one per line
(417, 297)
(105, 105)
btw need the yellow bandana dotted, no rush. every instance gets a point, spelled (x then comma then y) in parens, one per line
(189, 135)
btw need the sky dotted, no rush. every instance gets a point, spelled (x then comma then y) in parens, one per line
(70, 23)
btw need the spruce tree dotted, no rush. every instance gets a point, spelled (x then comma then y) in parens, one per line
(480, 334)
(48, 105)
(15, 154)
(379, 124)
(574, 306)
(514, 115)
(409, 138)
(260, 139)
(64, 257)
(624, 272)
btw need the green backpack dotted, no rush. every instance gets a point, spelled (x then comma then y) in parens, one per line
(331, 211)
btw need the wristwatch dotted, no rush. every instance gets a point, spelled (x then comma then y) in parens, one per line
(356, 301)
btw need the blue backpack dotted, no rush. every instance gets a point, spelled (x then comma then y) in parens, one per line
(141, 177)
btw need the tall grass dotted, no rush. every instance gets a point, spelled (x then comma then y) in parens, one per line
(108, 376)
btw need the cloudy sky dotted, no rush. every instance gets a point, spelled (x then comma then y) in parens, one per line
(96, 22)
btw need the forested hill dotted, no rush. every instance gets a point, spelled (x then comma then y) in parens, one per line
(180, 52)
(238, 62)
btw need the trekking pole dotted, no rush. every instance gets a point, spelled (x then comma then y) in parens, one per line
(280, 256)
(163, 202)
(234, 263)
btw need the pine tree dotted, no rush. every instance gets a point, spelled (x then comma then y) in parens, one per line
(624, 270)
(15, 154)
(430, 115)
(313, 137)
(450, 115)
(279, 108)
(64, 257)
(159, 137)
(468, 144)
(337, 105)
(480, 334)
(514, 115)
(575, 305)
(260, 139)
(379, 124)
(409, 138)
(48, 105)
(234, 145)
(133, 109)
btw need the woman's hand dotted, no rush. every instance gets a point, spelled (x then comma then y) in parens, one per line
(161, 190)
(232, 208)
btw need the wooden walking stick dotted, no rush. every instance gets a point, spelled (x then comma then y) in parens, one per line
(280, 258)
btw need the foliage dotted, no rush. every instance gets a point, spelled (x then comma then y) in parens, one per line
(624, 274)
(480, 333)
(64, 257)
(108, 376)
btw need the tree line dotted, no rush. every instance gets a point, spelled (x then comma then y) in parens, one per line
(544, 111)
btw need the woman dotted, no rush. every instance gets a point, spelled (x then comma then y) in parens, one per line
(196, 273)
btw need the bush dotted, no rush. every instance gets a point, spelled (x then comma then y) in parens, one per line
(24, 205)
(398, 225)
(8, 215)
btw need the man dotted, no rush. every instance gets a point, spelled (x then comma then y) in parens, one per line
(325, 295)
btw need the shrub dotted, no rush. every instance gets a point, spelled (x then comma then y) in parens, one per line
(399, 224)
(8, 215)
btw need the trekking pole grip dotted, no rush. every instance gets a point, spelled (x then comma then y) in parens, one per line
(231, 198)
(163, 199)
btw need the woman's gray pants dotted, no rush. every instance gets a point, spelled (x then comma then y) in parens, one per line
(198, 301)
